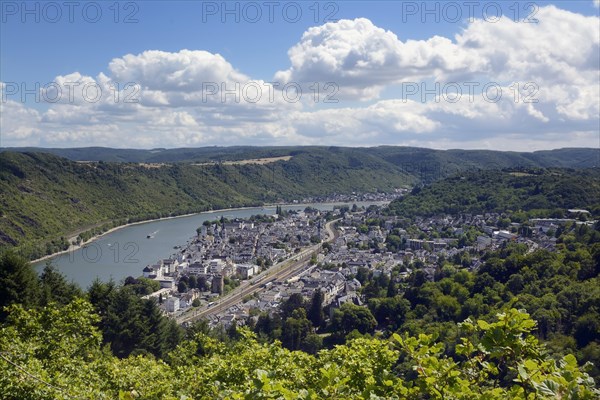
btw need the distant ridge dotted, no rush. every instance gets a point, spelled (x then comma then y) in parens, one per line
(451, 160)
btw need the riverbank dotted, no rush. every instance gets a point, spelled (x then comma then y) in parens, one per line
(74, 247)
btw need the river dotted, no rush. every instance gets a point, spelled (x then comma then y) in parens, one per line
(126, 251)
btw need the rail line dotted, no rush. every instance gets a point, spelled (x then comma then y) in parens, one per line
(277, 273)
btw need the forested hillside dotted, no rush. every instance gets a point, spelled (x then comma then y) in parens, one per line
(539, 192)
(418, 160)
(44, 198)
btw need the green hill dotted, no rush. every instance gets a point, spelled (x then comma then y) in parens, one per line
(537, 191)
(409, 158)
(430, 165)
(44, 199)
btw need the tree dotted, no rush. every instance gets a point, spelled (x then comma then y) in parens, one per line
(294, 302)
(182, 287)
(393, 243)
(312, 343)
(389, 312)
(350, 316)
(153, 339)
(54, 287)
(56, 353)
(18, 282)
(193, 282)
(295, 329)
(123, 327)
(201, 283)
(99, 295)
(515, 283)
(232, 331)
(264, 325)
(587, 329)
(315, 311)
(391, 289)
(498, 360)
(362, 275)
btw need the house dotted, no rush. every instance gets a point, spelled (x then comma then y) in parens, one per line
(483, 242)
(166, 283)
(197, 268)
(504, 235)
(577, 212)
(216, 266)
(246, 270)
(169, 266)
(172, 304)
(149, 272)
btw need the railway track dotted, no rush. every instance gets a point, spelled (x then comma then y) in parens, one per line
(278, 273)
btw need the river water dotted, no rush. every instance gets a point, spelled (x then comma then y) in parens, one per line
(125, 252)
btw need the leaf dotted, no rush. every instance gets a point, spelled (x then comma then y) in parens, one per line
(483, 325)
(548, 388)
(522, 373)
(571, 360)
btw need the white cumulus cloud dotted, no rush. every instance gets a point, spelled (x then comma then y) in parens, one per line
(547, 75)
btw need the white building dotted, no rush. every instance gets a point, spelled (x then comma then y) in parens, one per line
(246, 270)
(172, 304)
(149, 272)
(197, 268)
(169, 266)
(216, 266)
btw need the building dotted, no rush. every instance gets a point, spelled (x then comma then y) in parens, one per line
(504, 235)
(169, 266)
(216, 266)
(197, 268)
(167, 283)
(172, 304)
(149, 272)
(246, 271)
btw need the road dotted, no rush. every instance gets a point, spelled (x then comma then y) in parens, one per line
(277, 273)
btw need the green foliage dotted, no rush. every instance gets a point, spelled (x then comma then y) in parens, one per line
(56, 353)
(18, 282)
(350, 317)
(55, 288)
(130, 324)
(315, 311)
(496, 360)
(539, 192)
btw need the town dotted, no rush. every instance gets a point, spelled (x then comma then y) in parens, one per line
(227, 257)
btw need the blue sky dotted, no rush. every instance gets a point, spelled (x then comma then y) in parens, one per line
(371, 51)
